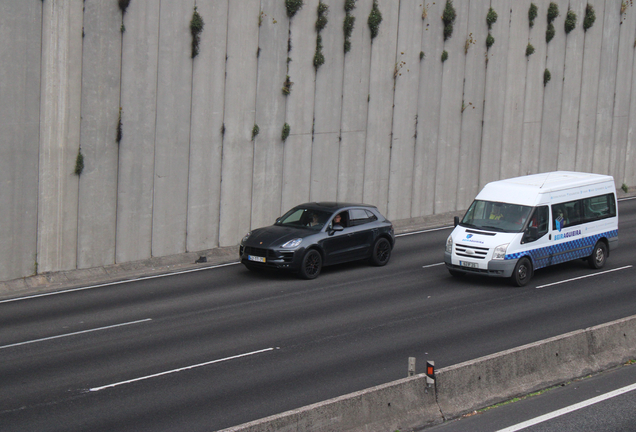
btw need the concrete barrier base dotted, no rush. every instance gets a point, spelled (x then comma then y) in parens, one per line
(408, 404)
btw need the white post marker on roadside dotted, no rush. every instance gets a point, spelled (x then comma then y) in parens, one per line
(411, 366)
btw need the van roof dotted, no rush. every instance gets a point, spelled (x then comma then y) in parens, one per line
(526, 189)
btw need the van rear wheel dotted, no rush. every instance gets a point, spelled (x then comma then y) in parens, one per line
(522, 272)
(599, 255)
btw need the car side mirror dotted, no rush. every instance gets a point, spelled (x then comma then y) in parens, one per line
(456, 220)
(335, 228)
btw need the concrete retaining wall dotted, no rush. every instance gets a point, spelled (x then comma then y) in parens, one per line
(468, 386)
(387, 123)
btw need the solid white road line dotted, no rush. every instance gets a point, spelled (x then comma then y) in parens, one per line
(95, 389)
(74, 334)
(583, 277)
(424, 231)
(433, 265)
(117, 283)
(569, 409)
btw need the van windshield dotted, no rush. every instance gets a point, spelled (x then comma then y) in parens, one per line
(496, 216)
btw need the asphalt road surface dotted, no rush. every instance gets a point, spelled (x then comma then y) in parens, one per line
(212, 349)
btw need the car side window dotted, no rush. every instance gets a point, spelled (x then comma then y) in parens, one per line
(358, 217)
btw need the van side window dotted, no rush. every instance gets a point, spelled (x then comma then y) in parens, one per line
(583, 211)
(539, 220)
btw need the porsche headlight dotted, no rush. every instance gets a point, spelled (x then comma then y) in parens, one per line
(292, 243)
(500, 251)
(246, 236)
(449, 244)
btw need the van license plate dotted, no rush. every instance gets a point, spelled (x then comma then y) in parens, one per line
(256, 258)
(468, 264)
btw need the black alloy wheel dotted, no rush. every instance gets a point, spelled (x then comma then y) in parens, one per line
(381, 252)
(311, 265)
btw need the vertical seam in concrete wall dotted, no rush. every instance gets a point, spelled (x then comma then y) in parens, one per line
(154, 157)
(395, 60)
(37, 201)
(79, 180)
(609, 159)
(576, 141)
(366, 135)
(121, 69)
(258, 59)
(227, 19)
(187, 203)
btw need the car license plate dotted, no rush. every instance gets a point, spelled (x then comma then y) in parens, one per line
(468, 264)
(256, 258)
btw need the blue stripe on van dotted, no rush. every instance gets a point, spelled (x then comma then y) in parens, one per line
(562, 252)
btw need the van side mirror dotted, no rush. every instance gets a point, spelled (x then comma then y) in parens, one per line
(456, 220)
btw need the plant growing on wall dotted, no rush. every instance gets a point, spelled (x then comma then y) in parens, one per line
(448, 17)
(287, 85)
(285, 132)
(293, 6)
(490, 40)
(123, 5)
(348, 24)
(319, 57)
(79, 163)
(553, 12)
(196, 27)
(375, 18)
(491, 18)
(532, 14)
(570, 21)
(255, 131)
(529, 50)
(547, 76)
(625, 188)
(590, 17)
(444, 56)
(120, 132)
(469, 41)
(321, 22)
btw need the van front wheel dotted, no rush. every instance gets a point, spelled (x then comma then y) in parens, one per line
(599, 255)
(522, 273)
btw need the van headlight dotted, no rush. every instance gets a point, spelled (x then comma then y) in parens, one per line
(449, 244)
(500, 251)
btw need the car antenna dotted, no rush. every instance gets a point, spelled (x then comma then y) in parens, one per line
(545, 180)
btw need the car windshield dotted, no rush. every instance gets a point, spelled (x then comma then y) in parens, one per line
(496, 216)
(301, 217)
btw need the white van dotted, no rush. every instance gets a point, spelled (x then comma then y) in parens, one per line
(522, 224)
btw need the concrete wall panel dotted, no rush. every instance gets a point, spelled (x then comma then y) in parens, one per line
(533, 101)
(59, 134)
(553, 92)
(240, 106)
(206, 138)
(328, 108)
(607, 87)
(406, 75)
(451, 113)
(589, 90)
(494, 100)
(100, 112)
(377, 156)
(137, 147)
(355, 104)
(20, 131)
(300, 107)
(572, 74)
(515, 90)
(622, 96)
(630, 167)
(270, 114)
(429, 99)
(172, 145)
(473, 103)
